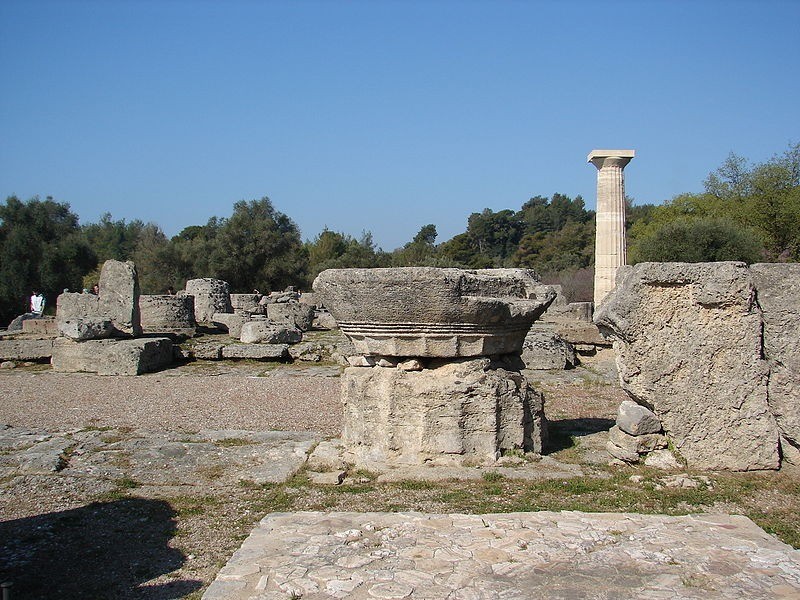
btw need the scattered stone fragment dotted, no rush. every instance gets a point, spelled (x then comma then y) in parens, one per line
(662, 459)
(635, 419)
(412, 364)
(256, 351)
(264, 332)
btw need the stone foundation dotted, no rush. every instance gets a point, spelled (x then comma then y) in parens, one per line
(167, 314)
(454, 412)
(112, 357)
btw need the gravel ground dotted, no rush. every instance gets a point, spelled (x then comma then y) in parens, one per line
(179, 400)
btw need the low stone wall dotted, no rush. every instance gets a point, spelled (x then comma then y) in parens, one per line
(712, 349)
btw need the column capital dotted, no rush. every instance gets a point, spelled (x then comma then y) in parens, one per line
(610, 158)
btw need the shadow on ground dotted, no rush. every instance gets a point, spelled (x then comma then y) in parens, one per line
(562, 431)
(102, 550)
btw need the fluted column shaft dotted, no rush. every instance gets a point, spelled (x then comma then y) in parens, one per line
(610, 246)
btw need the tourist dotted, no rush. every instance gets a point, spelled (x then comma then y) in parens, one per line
(37, 303)
(96, 289)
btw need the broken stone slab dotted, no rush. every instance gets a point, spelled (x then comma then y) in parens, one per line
(16, 324)
(264, 332)
(291, 314)
(778, 296)
(118, 299)
(640, 444)
(661, 459)
(210, 296)
(256, 351)
(112, 357)
(635, 419)
(87, 328)
(324, 320)
(207, 351)
(72, 305)
(40, 326)
(432, 312)
(232, 322)
(168, 313)
(688, 342)
(24, 349)
(308, 352)
(544, 349)
(456, 412)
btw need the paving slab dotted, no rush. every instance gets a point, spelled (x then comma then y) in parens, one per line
(515, 556)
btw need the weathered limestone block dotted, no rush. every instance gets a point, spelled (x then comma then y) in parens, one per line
(458, 412)
(71, 305)
(688, 344)
(264, 332)
(574, 311)
(778, 289)
(256, 351)
(232, 322)
(88, 328)
(639, 444)
(543, 349)
(635, 419)
(207, 351)
(246, 302)
(118, 298)
(22, 349)
(308, 298)
(112, 357)
(167, 314)
(430, 312)
(210, 296)
(292, 314)
(324, 320)
(40, 326)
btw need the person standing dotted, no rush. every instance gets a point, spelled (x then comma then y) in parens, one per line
(37, 303)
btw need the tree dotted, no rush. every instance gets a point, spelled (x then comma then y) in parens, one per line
(332, 250)
(259, 247)
(113, 240)
(706, 239)
(420, 251)
(41, 247)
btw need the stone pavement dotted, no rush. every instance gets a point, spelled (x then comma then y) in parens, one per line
(565, 555)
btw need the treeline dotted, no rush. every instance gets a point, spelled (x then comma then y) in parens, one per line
(747, 212)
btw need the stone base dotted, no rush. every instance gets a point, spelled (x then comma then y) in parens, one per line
(26, 349)
(112, 357)
(455, 412)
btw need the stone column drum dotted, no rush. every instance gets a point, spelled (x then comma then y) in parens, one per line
(440, 381)
(610, 247)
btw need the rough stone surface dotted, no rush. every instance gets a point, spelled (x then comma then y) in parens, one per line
(210, 296)
(640, 444)
(112, 357)
(207, 351)
(264, 332)
(513, 556)
(778, 294)
(40, 326)
(88, 328)
(71, 305)
(24, 349)
(543, 349)
(16, 323)
(167, 314)
(688, 343)
(246, 302)
(430, 312)
(256, 351)
(232, 322)
(661, 459)
(324, 320)
(636, 419)
(291, 314)
(118, 299)
(452, 413)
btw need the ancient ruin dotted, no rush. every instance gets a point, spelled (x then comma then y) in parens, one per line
(210, 296)
(610, 246)
(711, 349)
(170, 314)
(438, 379)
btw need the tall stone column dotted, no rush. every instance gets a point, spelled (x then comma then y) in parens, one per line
(610, 251)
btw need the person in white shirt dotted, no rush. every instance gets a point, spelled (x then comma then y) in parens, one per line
(37, 303)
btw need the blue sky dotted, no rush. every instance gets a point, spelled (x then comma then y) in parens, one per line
(382, 115)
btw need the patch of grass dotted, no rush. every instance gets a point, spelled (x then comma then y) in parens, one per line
(492, 476)
(189, 506)
(413, 484)
(127, 483)
(211, 472)
(233, 442)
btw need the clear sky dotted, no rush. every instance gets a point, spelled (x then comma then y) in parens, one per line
(382, 115)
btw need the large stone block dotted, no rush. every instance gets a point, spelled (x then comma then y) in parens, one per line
(23, 349)
(119, 296)
(40, 326)
(264, 332)
(456, 412)
(210, 296)
(256, 351)
(232, 322)
(72, 305)
(167, 314)
(291, 314)
(430, 312)
(246, 302)
(688, 342)
(89, 328)
(543, 349)
(112, 357)
(778, 294)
